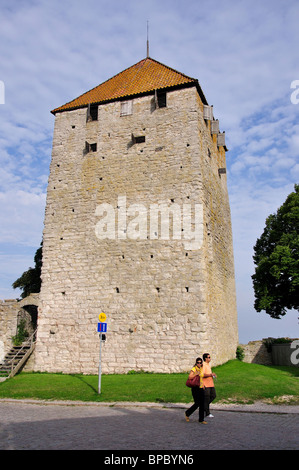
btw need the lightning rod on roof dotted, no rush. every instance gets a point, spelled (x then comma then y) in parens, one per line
(147, 41)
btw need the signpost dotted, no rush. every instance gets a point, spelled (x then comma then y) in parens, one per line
(102, 328)
(102, 317)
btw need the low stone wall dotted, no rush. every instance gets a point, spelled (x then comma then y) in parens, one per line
(268, 352)
(256, 352)
(8, 324)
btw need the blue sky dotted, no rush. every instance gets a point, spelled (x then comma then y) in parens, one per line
(244, 54)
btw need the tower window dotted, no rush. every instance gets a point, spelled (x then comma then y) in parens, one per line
(92, 112)
(126, 108)
(160, 99)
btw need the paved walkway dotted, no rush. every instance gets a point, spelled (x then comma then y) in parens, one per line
(38, 425)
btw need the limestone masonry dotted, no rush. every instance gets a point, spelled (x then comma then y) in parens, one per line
(119, 160)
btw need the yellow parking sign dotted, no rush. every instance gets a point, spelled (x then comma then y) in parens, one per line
(102, 317)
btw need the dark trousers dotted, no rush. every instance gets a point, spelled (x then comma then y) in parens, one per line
(210, 395)
(198, 397)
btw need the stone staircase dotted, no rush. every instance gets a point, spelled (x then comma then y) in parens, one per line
(16, 358)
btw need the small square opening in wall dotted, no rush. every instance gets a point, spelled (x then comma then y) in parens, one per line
(138, 139)
(90, 147)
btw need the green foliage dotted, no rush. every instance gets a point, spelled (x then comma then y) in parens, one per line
(21, 335)
(276, 278)
(141, 371)
(240, 353)
(30, 281)
(268, 342)
(282, 340)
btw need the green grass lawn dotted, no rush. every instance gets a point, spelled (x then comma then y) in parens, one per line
(237, 382)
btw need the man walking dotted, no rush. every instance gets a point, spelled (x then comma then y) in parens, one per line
(210, 393)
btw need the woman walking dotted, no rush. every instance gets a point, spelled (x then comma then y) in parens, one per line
(197, 392)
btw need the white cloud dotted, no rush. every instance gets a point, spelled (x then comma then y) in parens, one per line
(22, 216)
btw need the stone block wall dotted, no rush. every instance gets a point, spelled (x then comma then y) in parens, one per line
(8, 324)
(165, 302)
(256, 352)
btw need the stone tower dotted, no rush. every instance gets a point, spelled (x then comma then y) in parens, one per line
(137, 226)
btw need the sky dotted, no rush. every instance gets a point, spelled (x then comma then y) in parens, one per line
(244, 54)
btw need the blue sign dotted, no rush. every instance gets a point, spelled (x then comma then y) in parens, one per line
(102, 327)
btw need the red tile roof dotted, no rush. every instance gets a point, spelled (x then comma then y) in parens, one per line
(142, 78)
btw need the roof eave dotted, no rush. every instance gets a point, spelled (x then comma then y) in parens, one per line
(136, 95)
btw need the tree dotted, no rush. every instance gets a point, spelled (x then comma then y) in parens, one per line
(276, 278)
(30, 281)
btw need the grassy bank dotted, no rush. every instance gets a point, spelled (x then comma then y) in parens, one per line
(237, 382)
